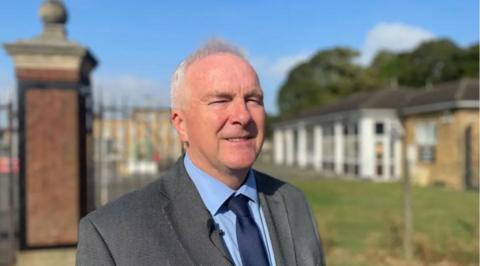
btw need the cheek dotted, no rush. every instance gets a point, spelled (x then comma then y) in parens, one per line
(259, 117)
(207, 123)
(217, 121)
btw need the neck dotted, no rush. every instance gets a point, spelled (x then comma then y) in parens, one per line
(233, 178)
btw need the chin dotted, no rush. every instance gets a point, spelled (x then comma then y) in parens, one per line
(241, 162)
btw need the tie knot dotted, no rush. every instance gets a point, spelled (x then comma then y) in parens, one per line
(239, 205)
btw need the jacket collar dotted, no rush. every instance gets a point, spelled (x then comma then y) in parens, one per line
(193, 223)
(275, 212)
(191, 220)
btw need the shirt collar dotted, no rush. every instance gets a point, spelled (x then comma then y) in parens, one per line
(213, 192)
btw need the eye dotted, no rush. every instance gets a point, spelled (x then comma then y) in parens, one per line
(218, 101)
(258, 100)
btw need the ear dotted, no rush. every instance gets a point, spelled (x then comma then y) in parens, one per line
(178, 121)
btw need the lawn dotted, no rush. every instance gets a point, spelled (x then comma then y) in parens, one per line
(360, 223)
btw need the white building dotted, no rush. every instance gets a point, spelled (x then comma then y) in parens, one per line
(356, 136)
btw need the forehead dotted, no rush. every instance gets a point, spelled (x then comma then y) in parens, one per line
(221, 71)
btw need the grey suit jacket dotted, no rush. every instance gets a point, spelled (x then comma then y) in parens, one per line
(166, 223)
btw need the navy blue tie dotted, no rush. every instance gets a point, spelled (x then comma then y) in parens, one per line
(250, 244)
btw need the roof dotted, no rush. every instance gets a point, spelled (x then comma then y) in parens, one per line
(378, 99)
(465, 89)
(457, 94)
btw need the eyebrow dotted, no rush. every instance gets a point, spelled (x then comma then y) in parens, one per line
(226, 95)
(255, 93)
(216, 94)
(219, 94)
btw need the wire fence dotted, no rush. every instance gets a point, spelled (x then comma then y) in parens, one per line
(132, 146)
(9, 204)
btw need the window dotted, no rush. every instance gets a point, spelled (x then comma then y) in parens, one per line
(350, 148)
(379, 128)
(328, 148)
(379, 153)
(310, 142)
(425, 138)
(345, 168)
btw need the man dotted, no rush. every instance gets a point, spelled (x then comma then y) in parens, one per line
(211, 207)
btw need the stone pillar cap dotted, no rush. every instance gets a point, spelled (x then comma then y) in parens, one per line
(51, 42)
(54, 16)
(53, 11)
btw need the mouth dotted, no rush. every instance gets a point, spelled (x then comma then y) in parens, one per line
(239, 139)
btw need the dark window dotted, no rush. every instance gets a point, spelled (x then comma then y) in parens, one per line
(328, 131)
(379, 129)
(379, 170)
(324, 165)
(426, 153)
(328, 166)
(356, 169)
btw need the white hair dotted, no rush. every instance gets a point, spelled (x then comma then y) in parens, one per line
(212, 46)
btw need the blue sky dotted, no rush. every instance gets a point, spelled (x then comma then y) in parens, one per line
(139, 43)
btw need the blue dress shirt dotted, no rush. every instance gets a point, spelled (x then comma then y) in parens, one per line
(214, 193)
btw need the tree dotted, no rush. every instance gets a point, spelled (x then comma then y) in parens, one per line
(270, 120)
(385, 68)
(468, 61)
(328, 75)
(431, 62)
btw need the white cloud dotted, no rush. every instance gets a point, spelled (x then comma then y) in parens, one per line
(134, 89)
(282, 65)
(395, 37)
(279, 67)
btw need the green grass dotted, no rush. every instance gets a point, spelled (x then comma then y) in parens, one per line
(361, 223)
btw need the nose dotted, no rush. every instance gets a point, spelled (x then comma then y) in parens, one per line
(240, 113)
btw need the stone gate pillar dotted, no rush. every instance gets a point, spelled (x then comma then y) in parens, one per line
(55, 119)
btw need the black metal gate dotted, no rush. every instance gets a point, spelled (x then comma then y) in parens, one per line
(8, 184)
(132, 145)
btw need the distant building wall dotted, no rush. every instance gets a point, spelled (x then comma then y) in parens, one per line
(439, 139)
(356, 144)
(144, 139)
(364, 135)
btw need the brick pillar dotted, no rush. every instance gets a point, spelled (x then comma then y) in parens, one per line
(55, 144)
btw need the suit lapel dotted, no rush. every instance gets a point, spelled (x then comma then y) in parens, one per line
(275, 213)
(190, 220)
(217, 241)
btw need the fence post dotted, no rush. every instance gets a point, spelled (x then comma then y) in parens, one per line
(11, 183)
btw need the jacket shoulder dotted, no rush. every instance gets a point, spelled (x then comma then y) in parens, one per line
(140, 200)
(149, 198)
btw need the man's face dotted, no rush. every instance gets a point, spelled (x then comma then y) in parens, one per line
(222, 116)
